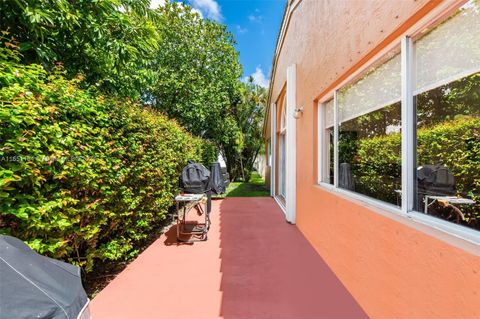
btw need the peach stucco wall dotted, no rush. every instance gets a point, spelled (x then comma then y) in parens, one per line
(394, 267)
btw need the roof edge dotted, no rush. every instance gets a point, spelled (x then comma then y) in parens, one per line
(290, 7)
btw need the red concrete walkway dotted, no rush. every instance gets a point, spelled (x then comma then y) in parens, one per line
(253, 266)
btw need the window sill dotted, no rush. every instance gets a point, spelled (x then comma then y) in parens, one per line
(453, 234)
(462, 232)
(362, 198)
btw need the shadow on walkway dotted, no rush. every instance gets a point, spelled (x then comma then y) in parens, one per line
(254, 265)
(171, 237)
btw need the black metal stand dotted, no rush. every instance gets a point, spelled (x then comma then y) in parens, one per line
(196, 231)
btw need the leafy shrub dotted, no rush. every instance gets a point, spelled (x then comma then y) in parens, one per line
(209, 153)
(455, 143)
(82, 176)
(377, 163)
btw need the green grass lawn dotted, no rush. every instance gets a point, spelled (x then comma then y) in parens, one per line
(255, 188)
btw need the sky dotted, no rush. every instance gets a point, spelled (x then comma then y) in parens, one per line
(255, 25)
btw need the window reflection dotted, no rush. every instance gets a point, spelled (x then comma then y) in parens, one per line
(369, 149)
(448, 151)
(447, 88)
(328, 143)
(369, 140)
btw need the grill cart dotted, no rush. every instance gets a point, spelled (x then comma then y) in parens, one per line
(437, 190)
(197, 184)
(196, 230)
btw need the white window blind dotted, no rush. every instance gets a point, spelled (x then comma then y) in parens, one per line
(450, 51)
(381, 86)
(283, 120)
(329, 114)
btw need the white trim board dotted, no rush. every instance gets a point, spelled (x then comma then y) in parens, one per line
(291, 146)
(273, 147)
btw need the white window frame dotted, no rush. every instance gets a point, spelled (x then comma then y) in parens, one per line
(323, 162)
(408, 136)
(291, 145)
(282, 162)
(273, 141)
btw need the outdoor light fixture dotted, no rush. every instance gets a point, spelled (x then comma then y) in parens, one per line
(297, 112)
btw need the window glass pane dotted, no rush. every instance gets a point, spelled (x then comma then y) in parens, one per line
(369, 144)
(451, 51)
(282, 166)
(327, 144)
(380, 86)
(329, 114)
(330, 156)
(269, 152)
(369, 154)
(448, 129)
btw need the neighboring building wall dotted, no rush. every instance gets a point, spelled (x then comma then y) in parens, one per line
(267, 177)
(268, 158)
(261, 165)
(393, 267)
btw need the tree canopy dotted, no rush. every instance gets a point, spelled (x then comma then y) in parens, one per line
(198, 73)
(169, 58)
(110, 42)
(248, 114)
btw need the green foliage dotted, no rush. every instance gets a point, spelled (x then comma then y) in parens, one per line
(347, 146)
(198, 73)
(209, 153)
(85, 171)
(377, 166)
(255, 187)
(455, 143)
(109, 41)
(82, 175)
(449, 100)
(248, 114)
(171, 58)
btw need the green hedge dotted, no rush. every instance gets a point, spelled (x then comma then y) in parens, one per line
(456, 143)
(209, 153)
(82, 176)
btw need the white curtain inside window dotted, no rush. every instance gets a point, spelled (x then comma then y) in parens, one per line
(283, 119)
(329, 114)
(450, 51)
(379, 87)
